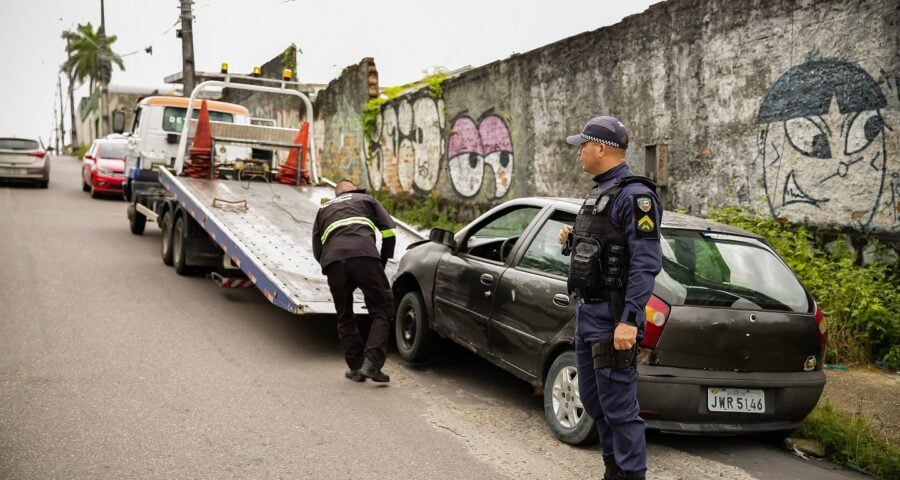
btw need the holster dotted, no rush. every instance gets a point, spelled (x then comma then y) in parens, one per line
(605, 356)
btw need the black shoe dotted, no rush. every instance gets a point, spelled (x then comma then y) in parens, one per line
(354, 375)
(612, 469)
(631, 476)
(369, 371)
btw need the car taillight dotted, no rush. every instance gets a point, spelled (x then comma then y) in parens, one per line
(823, 331)
(657, 313)
(38, 154)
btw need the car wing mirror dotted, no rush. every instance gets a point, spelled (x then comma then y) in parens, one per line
(118, 121)
(443, 237)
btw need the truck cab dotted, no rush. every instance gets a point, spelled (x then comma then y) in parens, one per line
(158, 123)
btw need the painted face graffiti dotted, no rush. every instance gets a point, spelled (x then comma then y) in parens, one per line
(472, 146)
(822, 143)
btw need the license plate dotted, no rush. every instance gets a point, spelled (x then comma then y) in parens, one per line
(12, 171)
(740, 400)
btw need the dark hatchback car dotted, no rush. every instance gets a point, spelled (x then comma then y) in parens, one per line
(733, 341)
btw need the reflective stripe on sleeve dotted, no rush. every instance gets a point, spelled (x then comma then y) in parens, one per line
(388, 233)
(347, 221)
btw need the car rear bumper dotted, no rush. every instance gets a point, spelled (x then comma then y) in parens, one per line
(25, 173)
(675, 399)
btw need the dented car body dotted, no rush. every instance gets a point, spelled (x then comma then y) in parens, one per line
(733, 341)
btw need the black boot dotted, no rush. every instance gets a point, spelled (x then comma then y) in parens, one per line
(368, 370)
(354, 375)
(612, 469)
(629, 476)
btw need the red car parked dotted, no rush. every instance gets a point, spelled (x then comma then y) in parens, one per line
(103, 167)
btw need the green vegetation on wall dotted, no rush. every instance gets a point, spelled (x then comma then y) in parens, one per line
(433, 81)
(860, 302)
(289, 58)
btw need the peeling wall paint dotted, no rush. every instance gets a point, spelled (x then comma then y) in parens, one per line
(789, 108)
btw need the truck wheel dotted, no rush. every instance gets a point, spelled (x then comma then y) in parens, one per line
(166, 244)
(415, 339)
(179, 246)
(563, 410)
(136, 220)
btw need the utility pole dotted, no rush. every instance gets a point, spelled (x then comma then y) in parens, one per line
(187, 48)
(54, 121)
(62, 132)
(105, 68)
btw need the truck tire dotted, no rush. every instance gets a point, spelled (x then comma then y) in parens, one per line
(136, 220)
(166, 243)
(567, 417)
(415, 339)
(179, 246)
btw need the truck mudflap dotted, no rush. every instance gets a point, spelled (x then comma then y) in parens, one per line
(266, 230)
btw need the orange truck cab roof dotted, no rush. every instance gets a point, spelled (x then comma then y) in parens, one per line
(182, 102)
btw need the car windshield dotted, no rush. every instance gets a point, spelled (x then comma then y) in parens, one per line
(18, 144)
(112, 150)
(709, 269)
(173, 118)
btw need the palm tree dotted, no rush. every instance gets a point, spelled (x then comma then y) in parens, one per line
(83, 62)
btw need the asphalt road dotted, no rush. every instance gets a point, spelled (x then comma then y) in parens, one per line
(113, 366)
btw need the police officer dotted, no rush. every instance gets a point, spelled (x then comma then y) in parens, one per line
(344, 245)
(615, 256)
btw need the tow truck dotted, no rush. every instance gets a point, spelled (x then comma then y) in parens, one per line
(245, 221)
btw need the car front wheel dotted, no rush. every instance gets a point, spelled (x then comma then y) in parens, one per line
(414, 337)
(563, 410)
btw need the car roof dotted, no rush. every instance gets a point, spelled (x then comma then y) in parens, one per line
(670, 220)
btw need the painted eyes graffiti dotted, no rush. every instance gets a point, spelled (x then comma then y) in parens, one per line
(472, 146)
(811, 136)
(864, 129)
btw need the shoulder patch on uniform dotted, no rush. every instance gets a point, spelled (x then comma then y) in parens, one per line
(644, 204)
(645, 217)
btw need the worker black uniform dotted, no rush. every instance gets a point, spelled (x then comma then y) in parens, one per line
(344, 245)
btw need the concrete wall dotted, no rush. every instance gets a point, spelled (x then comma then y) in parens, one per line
(790, 108)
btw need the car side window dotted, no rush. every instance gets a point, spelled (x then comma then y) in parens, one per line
(544, 254)
(495, 239)
(137, 121)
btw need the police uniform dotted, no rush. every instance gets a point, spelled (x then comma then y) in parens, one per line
(344, 245)
(617, 233)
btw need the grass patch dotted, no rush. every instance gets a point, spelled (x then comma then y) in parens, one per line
(851, 441)
(422, 212)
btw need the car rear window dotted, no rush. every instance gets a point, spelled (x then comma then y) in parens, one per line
(112, 150)
(18, 144)
(173, 118)
(717, 270)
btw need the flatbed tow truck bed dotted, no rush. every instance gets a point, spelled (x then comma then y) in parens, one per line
(266, 231)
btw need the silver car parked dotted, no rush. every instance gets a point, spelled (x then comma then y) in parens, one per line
(24, 159)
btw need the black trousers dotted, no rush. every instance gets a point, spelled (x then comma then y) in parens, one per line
(367, 274)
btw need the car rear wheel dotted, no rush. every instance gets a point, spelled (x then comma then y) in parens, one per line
(166, 244)
(563, 410)
(136, 220)
(415, 339)
(44, 183)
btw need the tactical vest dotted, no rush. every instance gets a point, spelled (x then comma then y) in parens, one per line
(598, 269)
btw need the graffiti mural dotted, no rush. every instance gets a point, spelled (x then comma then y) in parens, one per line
(822, 145)
(473, 146)
(408, 146)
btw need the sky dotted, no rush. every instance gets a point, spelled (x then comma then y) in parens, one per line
(405, 37)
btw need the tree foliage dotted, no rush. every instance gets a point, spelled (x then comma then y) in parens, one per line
(83, 54)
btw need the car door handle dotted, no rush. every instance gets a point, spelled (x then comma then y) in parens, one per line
(487, 279)
(561, 299)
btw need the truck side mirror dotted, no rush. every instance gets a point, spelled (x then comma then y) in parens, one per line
(443, 237)
(118, 121)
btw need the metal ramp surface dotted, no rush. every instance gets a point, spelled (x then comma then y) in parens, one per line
(266, 229)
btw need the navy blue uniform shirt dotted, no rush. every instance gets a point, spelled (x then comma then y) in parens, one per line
(594, 320)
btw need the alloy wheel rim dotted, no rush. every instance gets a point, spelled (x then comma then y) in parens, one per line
(408, 327)
(567, 407)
